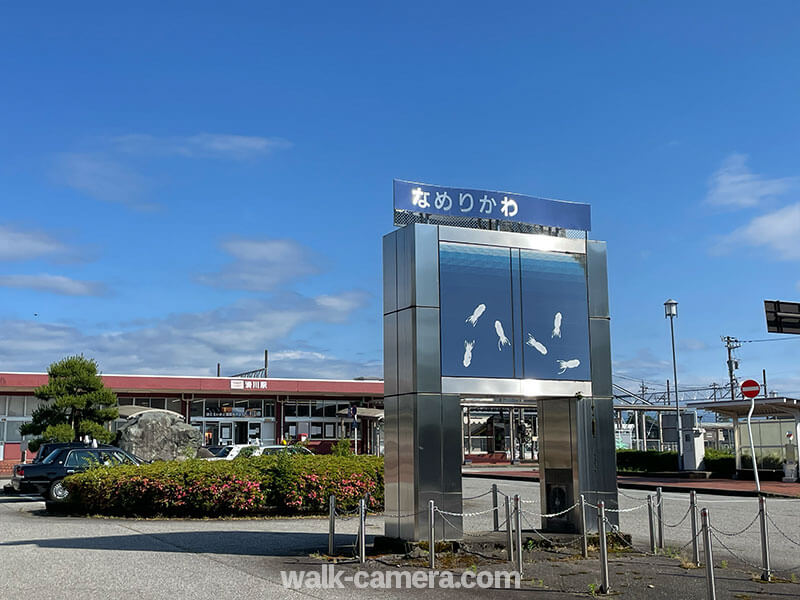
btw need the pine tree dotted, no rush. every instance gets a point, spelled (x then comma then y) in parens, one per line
(76, 404)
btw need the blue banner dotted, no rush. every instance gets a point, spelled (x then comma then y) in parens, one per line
(484, 204)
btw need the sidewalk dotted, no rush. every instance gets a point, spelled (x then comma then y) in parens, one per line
(727, 487)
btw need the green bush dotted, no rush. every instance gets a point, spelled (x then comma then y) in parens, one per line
(769, 462)
(342, 448)
(282, 484)
(719, 461)
(649, 461)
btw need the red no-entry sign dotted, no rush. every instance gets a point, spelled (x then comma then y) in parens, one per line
(750, 388)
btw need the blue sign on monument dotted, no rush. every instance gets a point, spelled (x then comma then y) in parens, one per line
(484, 204)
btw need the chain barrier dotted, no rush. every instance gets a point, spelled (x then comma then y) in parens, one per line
(553, 543)
(786, 537)
(620, 510)
(556, 514)
(486, 493)
(472, 514)
(732, 553)
(735, 533)
(683, 518)
(615, 531)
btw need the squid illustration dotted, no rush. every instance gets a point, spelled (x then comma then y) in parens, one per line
(476, 314)
(468, 352)
(557, 325)
(502, 340)
(568, 364)
(538, 345)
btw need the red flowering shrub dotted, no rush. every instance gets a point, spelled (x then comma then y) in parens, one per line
(248, 486)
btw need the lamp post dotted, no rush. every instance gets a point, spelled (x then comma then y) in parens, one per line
(671, 311)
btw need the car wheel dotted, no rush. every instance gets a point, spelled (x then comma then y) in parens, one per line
(58, 492)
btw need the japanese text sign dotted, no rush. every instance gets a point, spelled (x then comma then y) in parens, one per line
(483, 204)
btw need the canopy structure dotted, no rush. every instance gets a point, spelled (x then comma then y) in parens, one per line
(763, 407)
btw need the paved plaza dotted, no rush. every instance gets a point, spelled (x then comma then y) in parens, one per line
(46, 556)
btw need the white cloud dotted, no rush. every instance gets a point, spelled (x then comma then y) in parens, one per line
(16, 244)
(55, 284)
(733, 184)
(778, 232)
(212, 145)
(192, 343)
(102, 179)
(263, 265)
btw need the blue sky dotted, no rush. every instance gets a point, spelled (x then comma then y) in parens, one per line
(184, 184)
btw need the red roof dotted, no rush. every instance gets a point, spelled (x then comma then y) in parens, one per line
(25, 382)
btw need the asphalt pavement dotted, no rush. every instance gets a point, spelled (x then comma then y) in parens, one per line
(55, 557)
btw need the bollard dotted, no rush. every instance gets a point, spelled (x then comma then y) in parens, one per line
(496, 513)
(585, 547)
(660, 515)
(431, 534)
(509, 531)
(518, 527)
(651, 519)
(762, 513)
(695, 544)
(706, 524)
(331, 524)
(601, 529)
(362, 531)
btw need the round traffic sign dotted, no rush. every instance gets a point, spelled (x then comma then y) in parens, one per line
(750, 388)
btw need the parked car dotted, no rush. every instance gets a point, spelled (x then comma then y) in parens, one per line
(46, 478)
(278, 448)
(231, 452)
(46, 448)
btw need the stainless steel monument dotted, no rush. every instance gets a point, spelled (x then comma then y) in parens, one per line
(493, 295)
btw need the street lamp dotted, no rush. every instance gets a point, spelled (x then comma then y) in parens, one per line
(670, 312)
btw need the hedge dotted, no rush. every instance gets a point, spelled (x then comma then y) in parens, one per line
(720, 461)
(649, 461)
(282, 484)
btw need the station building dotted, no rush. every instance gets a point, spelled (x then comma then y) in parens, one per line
(227, 410)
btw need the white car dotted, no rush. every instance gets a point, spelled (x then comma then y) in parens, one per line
(231, 452)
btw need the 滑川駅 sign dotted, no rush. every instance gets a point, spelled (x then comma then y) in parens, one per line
(484, 204)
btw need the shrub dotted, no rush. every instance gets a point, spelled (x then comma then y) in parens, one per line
(767, 462)
(342, 448)
(649, 461)
(719, 461)
(280, 483)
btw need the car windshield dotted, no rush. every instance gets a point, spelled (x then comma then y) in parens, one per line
(225, 451)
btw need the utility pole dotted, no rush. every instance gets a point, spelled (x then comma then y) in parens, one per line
(732, 344)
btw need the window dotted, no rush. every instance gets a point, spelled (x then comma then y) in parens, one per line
(330, 430)
(196, 408)
(316, 431)
(16, 406)
(31, 404)
(158, 403)
(174, 404)
(318, 409)
(12, 431)
(80, 458)
(303, 409)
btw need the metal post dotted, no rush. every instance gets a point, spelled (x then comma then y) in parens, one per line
(362, 531)
(712, 592)
(678, 424)
(752, 444)
(585, 545)
(518, 532)
(509, 531)
(431, 534)
(496, 513)
(660, 515)
(762, 513)
(695, 545)
(651, 519)
(331, 524)
(601, 528)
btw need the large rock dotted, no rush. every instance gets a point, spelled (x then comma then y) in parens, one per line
(159, 435)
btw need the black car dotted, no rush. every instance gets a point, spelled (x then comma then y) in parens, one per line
(46, 477)
(46, 448)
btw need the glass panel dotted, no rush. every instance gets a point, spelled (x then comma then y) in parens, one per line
(269, 408)
(16, 406)
(174, 404)
(31, 404)
(12, 431)
(303, 409)
(330, 430)
(196, 408)
(555, 316)
(158, 403)
(125, 401)
(3, 400)
(316, 431)
(474, 280)
(290, 409)
(330, 409)
(143, 402)
(318, 409)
